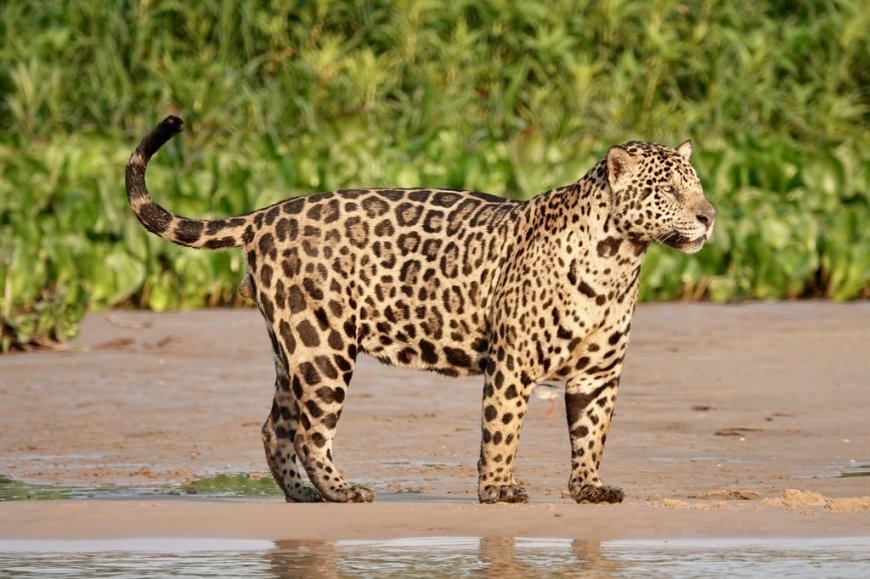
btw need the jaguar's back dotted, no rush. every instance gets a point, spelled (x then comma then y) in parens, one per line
(402, 274)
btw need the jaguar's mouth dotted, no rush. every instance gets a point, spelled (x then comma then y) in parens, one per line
(685, 243)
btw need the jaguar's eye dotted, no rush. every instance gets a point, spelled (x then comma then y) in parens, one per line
(669, 189)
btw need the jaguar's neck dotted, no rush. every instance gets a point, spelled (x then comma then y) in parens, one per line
(578, 219)
(584, 208)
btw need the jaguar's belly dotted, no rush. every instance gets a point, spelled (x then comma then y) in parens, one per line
(446, 331)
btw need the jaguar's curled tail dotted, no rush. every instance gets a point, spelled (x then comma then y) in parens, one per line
(196, 233)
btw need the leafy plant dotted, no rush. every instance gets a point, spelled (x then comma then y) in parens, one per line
(287, 98)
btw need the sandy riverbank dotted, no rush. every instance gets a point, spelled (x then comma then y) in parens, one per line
(724, 412)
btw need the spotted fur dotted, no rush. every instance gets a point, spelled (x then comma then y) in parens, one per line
(456, 282)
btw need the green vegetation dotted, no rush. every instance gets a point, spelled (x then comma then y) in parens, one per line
(288, 97)
(234, 485)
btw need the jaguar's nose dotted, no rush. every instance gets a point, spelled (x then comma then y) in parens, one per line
(706, 215)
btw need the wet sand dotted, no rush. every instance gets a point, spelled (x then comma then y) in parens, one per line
(731, 421)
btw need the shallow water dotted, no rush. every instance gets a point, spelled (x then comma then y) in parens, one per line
(860, 470)
(221, 485)
(438, 556)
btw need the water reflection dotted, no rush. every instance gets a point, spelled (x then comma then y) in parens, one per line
(523, 557)
(304, 559)
(436, 556)
(535, 557)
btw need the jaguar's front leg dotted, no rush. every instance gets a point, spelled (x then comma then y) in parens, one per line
(505, 398)
(589, 402)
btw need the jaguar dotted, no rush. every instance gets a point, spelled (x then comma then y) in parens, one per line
(456, 282)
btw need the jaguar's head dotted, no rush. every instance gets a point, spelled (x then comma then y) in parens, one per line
(656, 195)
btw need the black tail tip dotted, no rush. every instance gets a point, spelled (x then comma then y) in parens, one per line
(168, 128)
(171, 125)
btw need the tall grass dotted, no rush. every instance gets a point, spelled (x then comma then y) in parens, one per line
(289, 97)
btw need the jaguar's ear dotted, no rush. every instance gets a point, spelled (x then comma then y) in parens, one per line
(685, 149)
(619, 163)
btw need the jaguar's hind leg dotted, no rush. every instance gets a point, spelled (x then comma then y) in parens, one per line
(278, 433)
(320, 385)
(281, 458)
